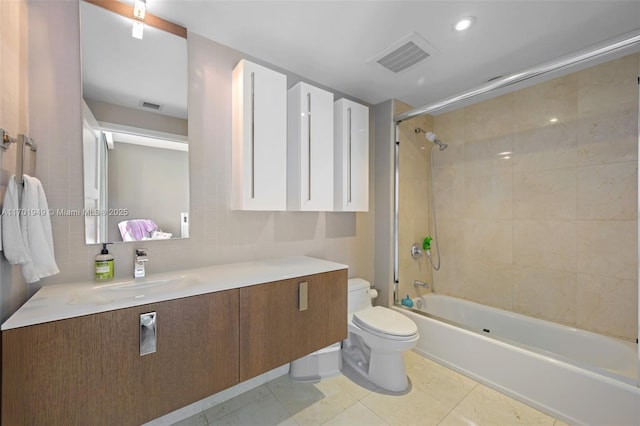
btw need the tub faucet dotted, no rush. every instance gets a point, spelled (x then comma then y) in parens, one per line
(422, 284)
(140, 258)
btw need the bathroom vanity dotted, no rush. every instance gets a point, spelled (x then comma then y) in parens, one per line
(72, 354)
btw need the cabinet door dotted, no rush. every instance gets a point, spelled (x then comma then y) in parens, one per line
(351, 156)
(273, 329)
(309, 149)
(259, 134)
(88, 370)
(197, 351)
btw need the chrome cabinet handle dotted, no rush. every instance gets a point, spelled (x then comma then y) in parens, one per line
(309, 145)
(349, 155)
(147, 333)
(253, 138)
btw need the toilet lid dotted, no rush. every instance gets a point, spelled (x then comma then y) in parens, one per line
(385, 321)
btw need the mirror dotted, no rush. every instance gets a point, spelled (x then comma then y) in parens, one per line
(135, 146)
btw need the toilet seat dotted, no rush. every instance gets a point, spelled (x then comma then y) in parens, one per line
(385, 323)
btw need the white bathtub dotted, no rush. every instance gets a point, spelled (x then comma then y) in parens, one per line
(574, 375)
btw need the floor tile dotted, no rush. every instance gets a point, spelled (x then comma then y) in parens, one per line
(351, 400)
(356, 415)
(406, 409)
(487, 406)
(411, 358)
(265, 411)
(456, 419)
(237, 402)
(313, 403)
(443, 384)
(342, 385)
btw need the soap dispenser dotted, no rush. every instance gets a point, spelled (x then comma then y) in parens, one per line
(104, 265)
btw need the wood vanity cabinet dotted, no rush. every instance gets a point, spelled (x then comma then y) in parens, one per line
(88, 370)
(273, 329)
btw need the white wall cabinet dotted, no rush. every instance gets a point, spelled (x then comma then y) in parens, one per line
(351, 150)
(259, 154)
(310, 149)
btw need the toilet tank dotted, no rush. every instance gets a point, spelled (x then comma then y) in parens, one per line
(358, 297)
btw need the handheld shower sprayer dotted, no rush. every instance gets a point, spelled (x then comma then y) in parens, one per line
(431, 137)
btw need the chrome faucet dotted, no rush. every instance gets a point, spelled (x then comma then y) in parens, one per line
(140, 258)
(422, 284)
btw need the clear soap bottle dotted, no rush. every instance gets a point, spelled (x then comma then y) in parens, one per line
(104, 265)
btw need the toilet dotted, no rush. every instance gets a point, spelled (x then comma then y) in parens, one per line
(377, 338)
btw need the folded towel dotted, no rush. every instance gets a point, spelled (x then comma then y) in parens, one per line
(36, 232)
(13, 244)
(159, 235)
(137, 229)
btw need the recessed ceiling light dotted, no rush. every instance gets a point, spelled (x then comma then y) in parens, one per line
(464, 23)
(553, 120)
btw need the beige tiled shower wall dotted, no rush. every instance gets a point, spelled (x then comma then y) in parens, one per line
(537, 200)
(414, 206)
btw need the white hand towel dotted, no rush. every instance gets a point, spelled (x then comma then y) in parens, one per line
(13, 243)
(36, 232)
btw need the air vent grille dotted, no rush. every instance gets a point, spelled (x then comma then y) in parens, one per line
(403, 57)
(150, 105)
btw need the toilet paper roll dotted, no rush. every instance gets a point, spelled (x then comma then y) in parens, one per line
(373, 293)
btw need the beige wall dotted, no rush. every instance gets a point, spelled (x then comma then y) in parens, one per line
(14, 103)
(219, 235)
(151, 183)
(549, 230)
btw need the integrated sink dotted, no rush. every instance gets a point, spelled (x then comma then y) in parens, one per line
(135, 289)
(143, 283)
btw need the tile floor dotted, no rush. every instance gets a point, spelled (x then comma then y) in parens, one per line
(437, 396)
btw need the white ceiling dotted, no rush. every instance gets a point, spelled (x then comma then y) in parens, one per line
(121, 70)
(332, 42)
(329, 42)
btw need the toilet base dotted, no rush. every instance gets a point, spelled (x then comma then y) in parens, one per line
(386, 370)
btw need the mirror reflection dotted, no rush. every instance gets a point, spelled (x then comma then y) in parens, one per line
(135, 146)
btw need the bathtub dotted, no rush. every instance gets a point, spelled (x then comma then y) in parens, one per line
(574, 375)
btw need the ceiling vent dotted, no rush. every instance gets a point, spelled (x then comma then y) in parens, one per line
(403, 57)
(150, 105)
(404, 53)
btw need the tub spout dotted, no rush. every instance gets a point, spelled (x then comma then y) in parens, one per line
(422, 284)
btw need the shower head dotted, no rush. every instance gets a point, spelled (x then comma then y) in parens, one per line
(431, 137)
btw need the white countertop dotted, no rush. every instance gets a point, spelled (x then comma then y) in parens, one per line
(52, 303)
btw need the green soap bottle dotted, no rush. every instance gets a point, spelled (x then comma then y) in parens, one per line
(104, 265)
